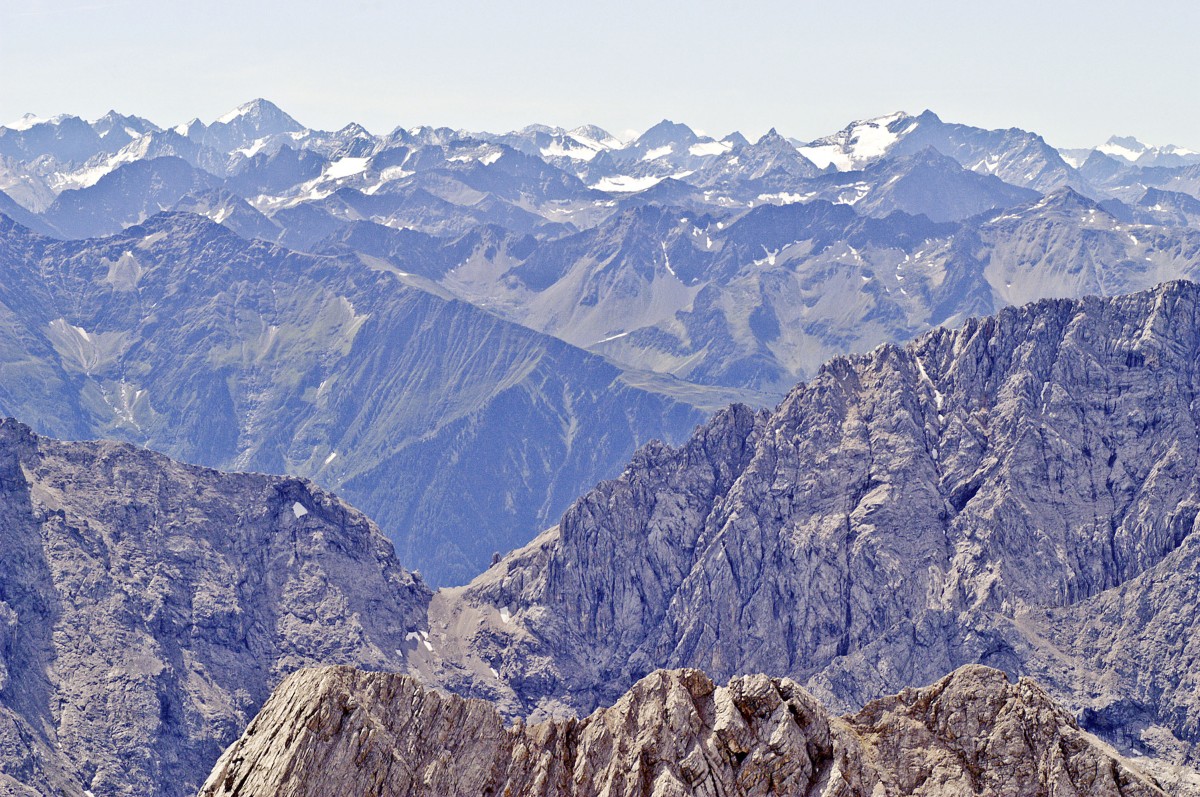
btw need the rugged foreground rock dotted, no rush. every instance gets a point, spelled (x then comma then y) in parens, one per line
(337, 730)
(147, 608)
(1021, 492)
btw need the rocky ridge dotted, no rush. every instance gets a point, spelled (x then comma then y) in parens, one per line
(1020, 492)
(147, 608)
(674, 734)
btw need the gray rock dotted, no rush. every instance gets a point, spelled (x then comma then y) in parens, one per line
(1021, 493)
(147, 608)
(674, 734)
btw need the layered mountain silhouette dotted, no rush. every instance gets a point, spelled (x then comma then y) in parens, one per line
(953, 372)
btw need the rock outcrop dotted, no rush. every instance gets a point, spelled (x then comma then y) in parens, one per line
(147, 608)
(337, 730)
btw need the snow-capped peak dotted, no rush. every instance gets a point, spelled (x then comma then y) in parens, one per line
(859, 143)
(262, 111)
(186, 128)
(1124, 147)
(244, 109)
(707, 148)
(590, 135)
(29, 120)
(25, 122)
(1129, 149)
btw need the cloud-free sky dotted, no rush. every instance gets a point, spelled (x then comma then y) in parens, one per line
(1076, 72)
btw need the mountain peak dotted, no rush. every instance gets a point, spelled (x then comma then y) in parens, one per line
(932, 156)
(667, 132)
(1064, 199)
(261, 111)
(858, 143)
(1126, 148)
(772, 140)
(31, 120)
(736, 139)
(597, 134)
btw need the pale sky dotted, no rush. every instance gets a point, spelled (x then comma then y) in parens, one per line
(1076, 72)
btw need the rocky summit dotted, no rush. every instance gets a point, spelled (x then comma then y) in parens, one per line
(336, 730)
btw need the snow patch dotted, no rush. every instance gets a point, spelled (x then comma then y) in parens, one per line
(345, 167)
(26, 121)
(505, 617)
(236, 113)
(254, 148)
(298, 509)
(706, 148)
(785, 198)
(616, 336)
(584, 135)
(1124, 153)
(584, 152)
(625, 184)
(419, 636)
(937, 395)
(658, 152)
(394, 173)
(856, 145)
(332, 456)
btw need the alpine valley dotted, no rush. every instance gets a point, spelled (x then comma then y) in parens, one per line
(856, 466)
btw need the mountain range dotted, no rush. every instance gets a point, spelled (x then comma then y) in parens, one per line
(737, 273)
(1017, 493)
(856, 412)
(179, 335)
(714, 261)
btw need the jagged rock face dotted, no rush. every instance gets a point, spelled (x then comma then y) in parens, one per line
(902, 514)
(147, 608)
(674, 734)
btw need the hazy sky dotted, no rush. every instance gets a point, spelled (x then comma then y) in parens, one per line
(1076, 72)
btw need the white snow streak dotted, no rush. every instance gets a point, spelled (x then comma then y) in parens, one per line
(624, 184)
